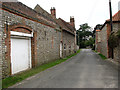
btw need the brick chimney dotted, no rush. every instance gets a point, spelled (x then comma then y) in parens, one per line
(53, 12)
(72, 21)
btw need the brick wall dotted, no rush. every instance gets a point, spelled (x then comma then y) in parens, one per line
(109, 51)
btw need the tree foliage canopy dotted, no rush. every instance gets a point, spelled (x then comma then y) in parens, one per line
(85, 36)
(84, 27)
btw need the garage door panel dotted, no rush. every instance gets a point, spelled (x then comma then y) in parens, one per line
(20, 54)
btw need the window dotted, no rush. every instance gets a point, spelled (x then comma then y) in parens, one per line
(64, 46)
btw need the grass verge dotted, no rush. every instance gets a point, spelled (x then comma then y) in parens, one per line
(102, 56)
(23, 75)
(95, 51)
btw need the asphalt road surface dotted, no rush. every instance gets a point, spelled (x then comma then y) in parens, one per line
(85, 70)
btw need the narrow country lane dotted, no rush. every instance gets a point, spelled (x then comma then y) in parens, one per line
(85, 70)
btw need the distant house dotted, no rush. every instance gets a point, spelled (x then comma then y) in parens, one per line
(102, 36)
(31, 37)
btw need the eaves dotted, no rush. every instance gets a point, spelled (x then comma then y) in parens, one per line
(72, 33)
(108, 22)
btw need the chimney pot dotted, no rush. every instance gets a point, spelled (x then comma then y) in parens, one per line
(53, 12)
(72, 21)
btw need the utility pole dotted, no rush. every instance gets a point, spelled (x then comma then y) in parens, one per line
(111, 24)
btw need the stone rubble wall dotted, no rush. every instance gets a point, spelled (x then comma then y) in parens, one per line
(103, 41)
(102, 46)
(69, 41)
(48, 41)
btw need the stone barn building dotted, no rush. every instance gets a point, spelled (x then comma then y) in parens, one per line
(102, 38)
(68, 44)
(31, 37)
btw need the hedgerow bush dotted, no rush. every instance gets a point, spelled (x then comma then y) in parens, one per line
(118, 33)
(113, 40)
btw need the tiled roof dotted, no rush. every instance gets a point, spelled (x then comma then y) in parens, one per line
(116, 17)
(25, 11)
(65, 25)
(38, 14)
(44, 13)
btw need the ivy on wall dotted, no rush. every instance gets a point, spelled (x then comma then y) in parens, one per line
(114, 39)
(118, 33)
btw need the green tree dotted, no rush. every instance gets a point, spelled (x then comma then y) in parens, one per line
(85, 36)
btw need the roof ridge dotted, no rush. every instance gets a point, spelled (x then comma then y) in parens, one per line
(67, 25)
(66, 22)
(44, 13)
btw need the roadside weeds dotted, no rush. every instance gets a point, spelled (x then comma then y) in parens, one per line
(101, 55)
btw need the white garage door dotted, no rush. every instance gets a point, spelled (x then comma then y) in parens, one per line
(20, 54)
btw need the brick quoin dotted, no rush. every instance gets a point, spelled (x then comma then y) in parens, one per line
(108, 34)
(34, 49)
(8, 46)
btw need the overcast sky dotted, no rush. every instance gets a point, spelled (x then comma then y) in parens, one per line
(84, 11)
